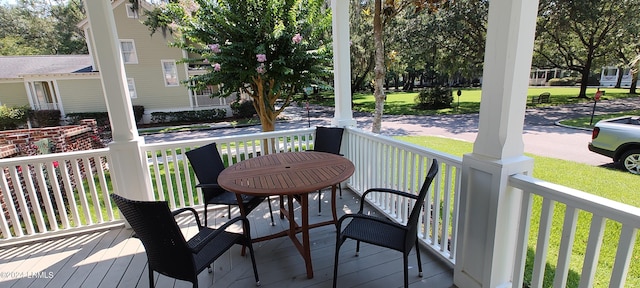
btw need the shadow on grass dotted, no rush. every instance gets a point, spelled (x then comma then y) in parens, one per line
(573, 279)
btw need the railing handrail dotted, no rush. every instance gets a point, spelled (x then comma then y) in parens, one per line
(229, 138)
(54, 156)
(595, 204)
(404, 145)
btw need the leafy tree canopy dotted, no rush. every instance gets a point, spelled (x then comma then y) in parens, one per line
(268, 49)
(32, 27)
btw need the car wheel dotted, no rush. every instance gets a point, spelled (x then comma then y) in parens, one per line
(631, 161)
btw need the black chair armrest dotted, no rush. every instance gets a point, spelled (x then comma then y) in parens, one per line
(188, 209)
(384, 190)
(368, 217)
(208, 185)
(200, 241)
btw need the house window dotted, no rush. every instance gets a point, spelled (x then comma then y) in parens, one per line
(132, 88)
(611, 71)
(130, 12)
(170, 73)
(43, 95)
(128, 49)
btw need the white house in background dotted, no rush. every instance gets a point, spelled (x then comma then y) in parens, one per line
(540, 77)
(610, 74)
(71, 83)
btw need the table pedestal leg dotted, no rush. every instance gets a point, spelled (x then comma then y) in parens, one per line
(304, 248)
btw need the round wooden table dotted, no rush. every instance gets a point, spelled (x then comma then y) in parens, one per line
(290, 174)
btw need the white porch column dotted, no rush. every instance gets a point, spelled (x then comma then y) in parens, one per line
(341, 64)
(128, 167)
(488, 207)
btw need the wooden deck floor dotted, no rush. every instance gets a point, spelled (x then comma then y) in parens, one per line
(111, 258)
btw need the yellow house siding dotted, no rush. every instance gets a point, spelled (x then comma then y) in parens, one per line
(148, 73)
(82, 95)
(13, 94)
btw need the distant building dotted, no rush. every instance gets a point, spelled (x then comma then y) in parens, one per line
(71, 83)
(541, 77)
(609, 76)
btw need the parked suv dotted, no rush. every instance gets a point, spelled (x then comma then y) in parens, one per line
(618, 138)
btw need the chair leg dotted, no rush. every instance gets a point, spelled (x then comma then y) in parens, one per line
(405, 259)
(151, 284)
(253, 262)
(418, 256)
(357, 248)
(229, 209)
(273, 223)
(340, 189)
(281, 207)
(335, 263)
(319, 202)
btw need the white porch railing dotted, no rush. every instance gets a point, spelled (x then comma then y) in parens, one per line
(579, 208)
(60, 194)
(387, 163)
(178, 187)
(54, 192)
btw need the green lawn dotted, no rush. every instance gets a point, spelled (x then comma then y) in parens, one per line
(587, 122)
(403, 103)
(613, 184)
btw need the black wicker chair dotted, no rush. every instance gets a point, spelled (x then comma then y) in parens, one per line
(207, 165)
(329, 140)
(168, 252)
(384, 232)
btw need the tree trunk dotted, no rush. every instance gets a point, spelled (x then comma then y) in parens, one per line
(634, 83)
(619, 80)
(378, 70)
(584, 81)
(263, 102)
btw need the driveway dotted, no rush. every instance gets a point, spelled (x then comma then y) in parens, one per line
(541, 134)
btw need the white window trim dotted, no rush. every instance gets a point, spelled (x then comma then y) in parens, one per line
(130, 12)
(164, 77)
(34, 102)
(131, 85)
(135, 52)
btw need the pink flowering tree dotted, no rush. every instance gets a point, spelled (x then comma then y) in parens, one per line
(268, 49)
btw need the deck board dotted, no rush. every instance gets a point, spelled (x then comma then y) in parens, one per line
(112, 258)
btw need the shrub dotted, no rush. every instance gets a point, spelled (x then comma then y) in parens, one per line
(138, 112)
(243, 109)
(189, 116)
(566, 81)
(12, 117)
(434, 98)
(45, 118)
(102, 118)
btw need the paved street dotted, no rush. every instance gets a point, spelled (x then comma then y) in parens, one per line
(541, 135)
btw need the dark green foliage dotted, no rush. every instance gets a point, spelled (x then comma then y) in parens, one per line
(567, 81)
(188, 116)
(45, 118)
(243, 109)
(138, 112)
(12, 117)
(102, 118)
(434, 98)
(42, 27)
(243, 29)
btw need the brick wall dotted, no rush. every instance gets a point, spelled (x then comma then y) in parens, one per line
(81, 137)
(21, 142)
